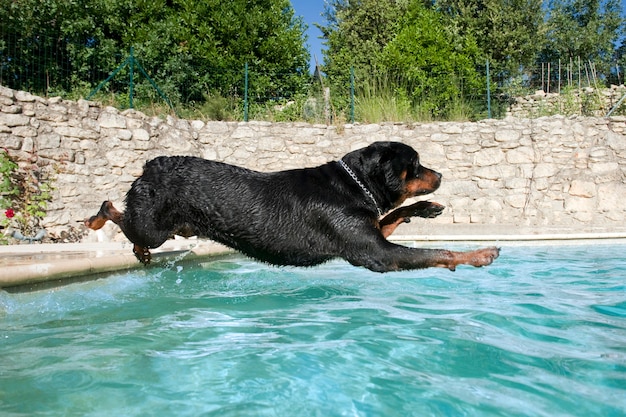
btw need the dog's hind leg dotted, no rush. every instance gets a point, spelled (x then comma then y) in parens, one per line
(142, 254)
(109, 212)
(425, 209)
(106, 212)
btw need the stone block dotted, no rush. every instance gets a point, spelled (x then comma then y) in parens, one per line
(451, 128)
(460, 188)
(124, 134)
(10, 142)
(517, 183)
(10, 108)
(543, 170)
(580, 188)
(495, 172)
(580, 204)
(76, 132)
(12, 120)
(611, 196)
(507, 135)
(49, 141)
(242, 132)
(25, 131)
(522, 155)
(616, 141)
(603, 167)
(141, 135)
(517, 200)
(271, 144)
(491, 156)
(6, 92)
(112, 120)
(25, 97)
(439, 137)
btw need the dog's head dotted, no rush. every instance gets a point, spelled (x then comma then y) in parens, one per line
(392, 172)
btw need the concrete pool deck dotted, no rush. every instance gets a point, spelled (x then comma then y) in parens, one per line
(32, 264)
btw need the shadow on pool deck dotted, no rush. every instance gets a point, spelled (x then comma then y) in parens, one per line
(35, 263)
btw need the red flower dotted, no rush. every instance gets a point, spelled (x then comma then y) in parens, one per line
(9, 213)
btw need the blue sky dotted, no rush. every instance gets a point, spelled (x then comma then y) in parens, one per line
(311, 11)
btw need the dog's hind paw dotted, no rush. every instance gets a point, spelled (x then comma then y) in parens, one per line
(142, 254)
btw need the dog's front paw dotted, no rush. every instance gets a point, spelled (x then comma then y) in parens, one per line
(483, 257)
(426, 209)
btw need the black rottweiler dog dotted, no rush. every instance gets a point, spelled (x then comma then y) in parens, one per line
(299, 217)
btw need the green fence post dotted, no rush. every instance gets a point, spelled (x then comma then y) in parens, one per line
(245, 94)
(132, 62)
(352, 94)
(488, 93)
(156, 87)
(132, 83)
(118, 69)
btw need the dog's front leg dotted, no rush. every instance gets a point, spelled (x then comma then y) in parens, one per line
(399, 258)
(425, 209)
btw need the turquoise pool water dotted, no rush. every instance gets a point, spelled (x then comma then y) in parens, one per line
(541, 332)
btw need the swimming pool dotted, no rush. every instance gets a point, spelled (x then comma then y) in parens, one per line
(541, 332)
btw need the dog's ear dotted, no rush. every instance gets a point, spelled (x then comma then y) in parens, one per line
(382, 161)
(395, 160)
(376, 156)
(385, 167)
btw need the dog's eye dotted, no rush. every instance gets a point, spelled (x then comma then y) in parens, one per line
(417, 169)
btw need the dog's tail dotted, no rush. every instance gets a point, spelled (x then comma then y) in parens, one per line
(107, 212)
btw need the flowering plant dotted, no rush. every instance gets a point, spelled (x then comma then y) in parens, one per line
(8, 190)
(23, 197)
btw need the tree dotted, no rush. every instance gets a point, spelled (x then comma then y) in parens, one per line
(438, 64)
(190, 47)
(509, 33)
(585, 29)
(412, 50)
(356, 34)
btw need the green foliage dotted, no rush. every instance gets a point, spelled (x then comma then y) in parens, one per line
(438, 66)
(429, 55)
(586, 29)
(8, 184)
(356, 34)
(24, 197)
(192, 49)
(509, 33)
(414, 52)
(380, 100)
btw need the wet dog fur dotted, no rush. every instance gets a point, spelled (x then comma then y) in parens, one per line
(300, 217)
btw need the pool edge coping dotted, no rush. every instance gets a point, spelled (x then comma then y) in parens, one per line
(116, 256)
(98, 258)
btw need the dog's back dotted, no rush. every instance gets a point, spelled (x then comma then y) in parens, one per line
(269, 216)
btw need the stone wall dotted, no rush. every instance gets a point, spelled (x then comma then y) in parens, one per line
(589, 101)
(558, 172)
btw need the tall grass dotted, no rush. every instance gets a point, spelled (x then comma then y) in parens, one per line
(379, 100)
(385, 99)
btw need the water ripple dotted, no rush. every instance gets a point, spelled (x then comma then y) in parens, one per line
(540, 332)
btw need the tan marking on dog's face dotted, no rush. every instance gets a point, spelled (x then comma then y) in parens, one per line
(426, 182)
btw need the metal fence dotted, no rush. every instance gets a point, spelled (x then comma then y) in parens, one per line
(51, 67)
